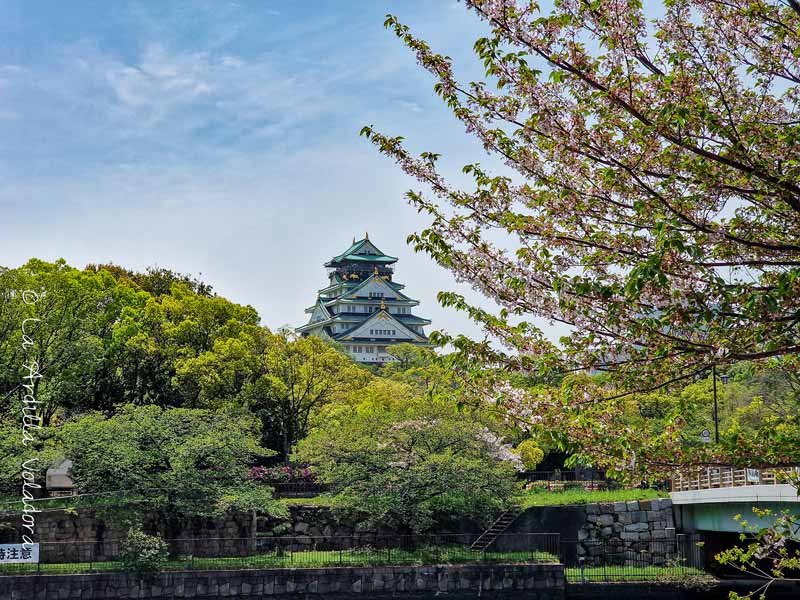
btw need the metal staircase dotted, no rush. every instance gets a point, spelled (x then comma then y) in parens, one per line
(503, 522)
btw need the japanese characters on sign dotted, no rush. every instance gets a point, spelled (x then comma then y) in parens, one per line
(19, 553)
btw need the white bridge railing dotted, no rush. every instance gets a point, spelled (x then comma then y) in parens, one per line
(707, 478)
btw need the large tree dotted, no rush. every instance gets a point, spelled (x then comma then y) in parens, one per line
(105, 336)
(68, 317)
(162, 344)
(653, 197)
(296, 378)
(172, 463)
(409, 462)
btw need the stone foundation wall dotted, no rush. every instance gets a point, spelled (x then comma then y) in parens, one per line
(635, 532)
(627, 523)
(627, 530)
(531, 582)
(86, 526)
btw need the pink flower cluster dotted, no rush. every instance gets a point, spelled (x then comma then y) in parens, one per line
(283, 474)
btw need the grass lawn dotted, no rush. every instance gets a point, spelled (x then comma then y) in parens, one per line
(362, 557)
(321, 500)
(538, 497)
(371, 557)
(620, 573)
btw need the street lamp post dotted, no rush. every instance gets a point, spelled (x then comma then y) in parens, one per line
(716, 411)
(724, 379)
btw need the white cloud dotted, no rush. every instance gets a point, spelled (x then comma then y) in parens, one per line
(412, 106)
(243, 165)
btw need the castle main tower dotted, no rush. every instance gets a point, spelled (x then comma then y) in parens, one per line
(362, 308)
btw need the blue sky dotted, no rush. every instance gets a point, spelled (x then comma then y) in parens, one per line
(221, 138)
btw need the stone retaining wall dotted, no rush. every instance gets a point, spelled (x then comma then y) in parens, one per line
(86, 528)
(626, 523)
(640, 528)
(531, 582)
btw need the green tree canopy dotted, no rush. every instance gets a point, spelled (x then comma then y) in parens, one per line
(409, 463)
(297, 378)
(72, 315)
(171, 462)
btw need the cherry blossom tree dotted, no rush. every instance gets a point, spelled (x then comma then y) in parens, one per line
(651, 200)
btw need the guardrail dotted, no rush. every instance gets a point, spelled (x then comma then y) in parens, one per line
(707, 478)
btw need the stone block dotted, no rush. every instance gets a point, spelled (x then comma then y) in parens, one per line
(592, 509)
(605, 520)
(659, 534)
(632, 505)
(595, 550)
(615, 541)
(620, 507)
(606, 508)
(625, 518)
(637, 527)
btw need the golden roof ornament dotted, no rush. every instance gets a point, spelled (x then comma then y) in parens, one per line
(383, 304)
(366, 235)
(375, 270)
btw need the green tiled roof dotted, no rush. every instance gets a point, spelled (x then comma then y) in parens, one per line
(352, 254)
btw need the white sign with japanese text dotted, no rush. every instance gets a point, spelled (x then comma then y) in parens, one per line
(19, 553)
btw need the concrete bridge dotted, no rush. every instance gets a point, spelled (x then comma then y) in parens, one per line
(708, 499)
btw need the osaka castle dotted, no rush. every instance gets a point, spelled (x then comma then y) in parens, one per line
(362, 308)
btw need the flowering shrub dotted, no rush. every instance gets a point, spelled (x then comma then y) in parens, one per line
(283, 474)
(142, 553)
(530, 454)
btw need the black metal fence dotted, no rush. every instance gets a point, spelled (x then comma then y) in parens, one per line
(589, 561)
(561, 480)
(584, 561)
(299, 551)
(297, 489)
